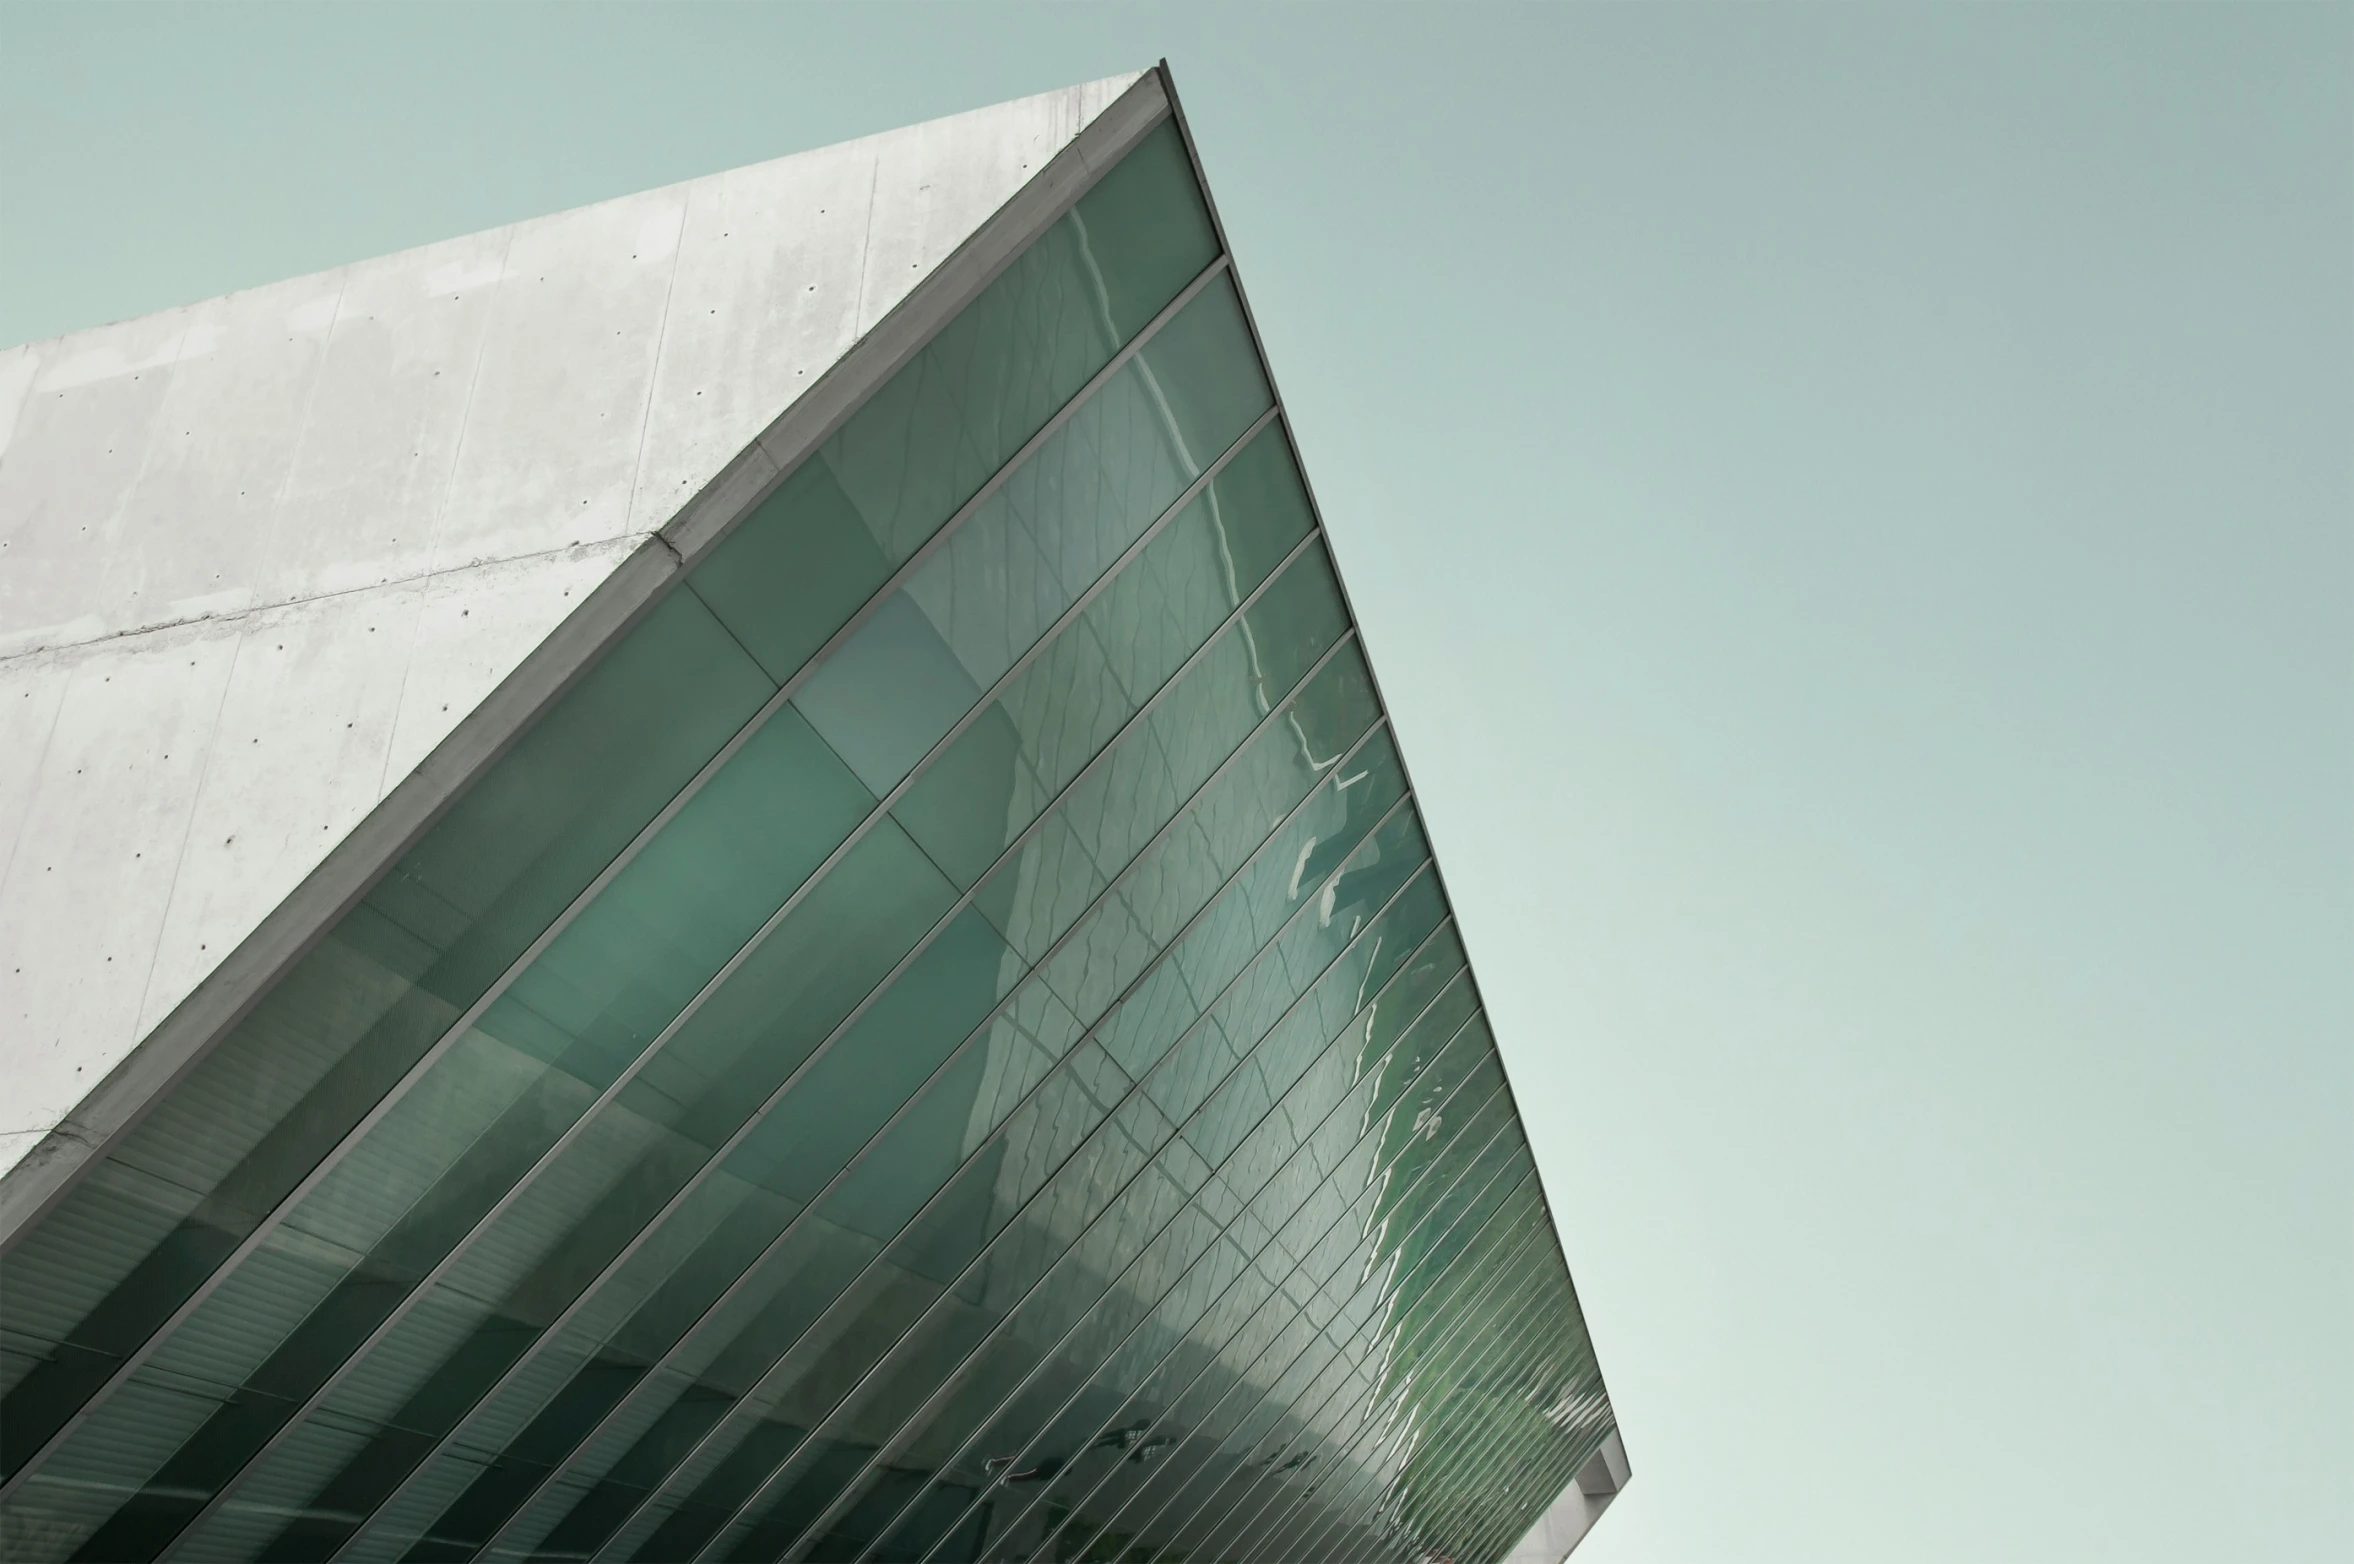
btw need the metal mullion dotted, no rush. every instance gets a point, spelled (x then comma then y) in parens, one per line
(1265, 1499)
(1486, 1459)
(1181, 814)
(646, 1056)
(1363, 1492)
(1241, 1380)
(1269, 1309)
(1356, 1500)
(1176, 1130)
(1367, 1332)
(1485, 1463)
(1553, 1478)
(1216, 898)
(1363, 1444)
(1276, 1232)
(1258, 342)
(1256, 1498)
(1277, 1299)
(465, 1021)
(1251, 1258)
(1487, 1518)
(1516, 1339)
(1178, 1134)
(1151, 704)
(1350, 1441)
(1246, 1204)
(1475, 1358)
(1250, 321)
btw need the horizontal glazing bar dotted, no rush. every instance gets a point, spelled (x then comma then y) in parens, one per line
(1166, 1092)
(1233, 1435)
(1533, 1324)
(1299, 1251)
(933, 1201)
(1222, 771)
(1262, 1506)
(1359, 1503)
(1096, 765)
(992, 1362)
(1328, 1389)
(1230, 1405)
(1374, 1410)
(21, 1466)
(654, 1051)
(187, 1470)
(1028, 1425)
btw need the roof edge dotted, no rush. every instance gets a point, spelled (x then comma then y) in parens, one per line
(46, 1173)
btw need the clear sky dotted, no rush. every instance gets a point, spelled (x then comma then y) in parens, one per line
(1853, 510)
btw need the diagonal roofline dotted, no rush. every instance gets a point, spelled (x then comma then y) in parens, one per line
(223, 997)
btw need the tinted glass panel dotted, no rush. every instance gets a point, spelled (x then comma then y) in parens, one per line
(796, 569)
(947, 1043)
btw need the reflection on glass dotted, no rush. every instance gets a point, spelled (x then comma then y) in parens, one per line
(946, 1043)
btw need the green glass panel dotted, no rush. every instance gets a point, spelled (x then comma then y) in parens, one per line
(956, 1224)
(900, 1325)
(1060, 519)
(1158, 1224)
(795, 570)
(1037, 893)
(1019, 1383)
(136, 1239)
(939, 1122)
(1122, 934)
(502, 1097)
(1332, 1438)
(707, 1080)
(1280, 1432)
(1145, 231)
(1483, 1448)
(1196, 1400)
(1159, 1197)
(1055, 715)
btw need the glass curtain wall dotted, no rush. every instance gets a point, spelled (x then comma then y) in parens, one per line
(947, 1043)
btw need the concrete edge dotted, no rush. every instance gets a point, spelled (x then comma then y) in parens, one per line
(1555, 1535)
(181, 1040)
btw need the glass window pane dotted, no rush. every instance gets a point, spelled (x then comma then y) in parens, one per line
(1056, 714)
(135, 1240)
(1175, 1280)
(1213, 1399)
(972, 1096)
(796, 569)
(1025, 554)
(486, 1111)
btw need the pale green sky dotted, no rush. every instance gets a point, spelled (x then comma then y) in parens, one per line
(1853, 510)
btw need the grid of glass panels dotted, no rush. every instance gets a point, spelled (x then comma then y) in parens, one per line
(947, 1044)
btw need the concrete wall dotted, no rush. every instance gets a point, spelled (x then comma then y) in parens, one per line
(261, 556)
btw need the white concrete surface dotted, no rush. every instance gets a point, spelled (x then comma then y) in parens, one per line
(1562, 1527)
(260, 556)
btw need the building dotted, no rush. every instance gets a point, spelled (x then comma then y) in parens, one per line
(719, 876)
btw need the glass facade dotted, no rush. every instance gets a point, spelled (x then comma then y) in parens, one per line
(947, 1043)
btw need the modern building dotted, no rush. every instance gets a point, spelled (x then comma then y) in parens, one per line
(720, 877)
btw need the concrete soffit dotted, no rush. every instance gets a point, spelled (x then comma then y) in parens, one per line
(1566, 1521)
(70, 1013)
